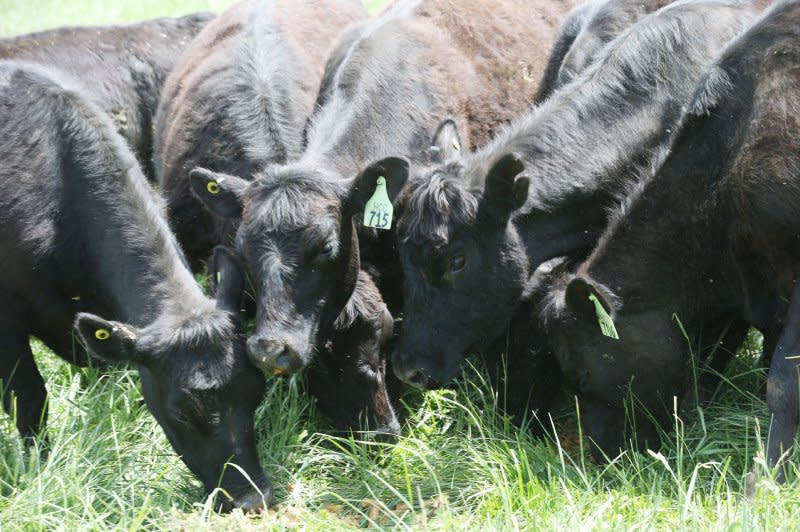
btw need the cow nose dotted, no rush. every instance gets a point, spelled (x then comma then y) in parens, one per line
(413, 376)
(389, 432)
(253, 501)
(274, 356)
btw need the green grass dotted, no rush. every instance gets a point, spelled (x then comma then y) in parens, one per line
(459, 465)
(22, 16)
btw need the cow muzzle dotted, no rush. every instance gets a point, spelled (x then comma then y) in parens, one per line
(411, 373)
(276, 357)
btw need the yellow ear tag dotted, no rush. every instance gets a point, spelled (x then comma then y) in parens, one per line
(213, 187)
(277, 372)
(603, 319)
(378, 210)
(102, 334)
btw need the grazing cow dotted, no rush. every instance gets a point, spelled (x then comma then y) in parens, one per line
(238, 100)
(415, 65)
(714, 233)
(474, 231)
(82, 231)
(121, 68)
(348, 375)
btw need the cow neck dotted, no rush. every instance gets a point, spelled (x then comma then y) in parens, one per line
(602, 133)
(663, 250)
(576, 179)
(132, 261)
(373, 116)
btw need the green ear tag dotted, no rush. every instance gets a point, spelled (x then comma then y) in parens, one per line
(378, 210)
(102, 334)
(603, 319)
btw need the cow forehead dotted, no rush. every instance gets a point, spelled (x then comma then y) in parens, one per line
(436, 206)
(314, 226)
(287, 210)
(190, 331)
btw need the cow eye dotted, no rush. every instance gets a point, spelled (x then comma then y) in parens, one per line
(367, 369)
(327, 249)
(457, 262)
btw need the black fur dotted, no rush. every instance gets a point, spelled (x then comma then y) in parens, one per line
(120, 68)
(602, 24)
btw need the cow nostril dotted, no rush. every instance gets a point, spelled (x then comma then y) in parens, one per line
(287, 361)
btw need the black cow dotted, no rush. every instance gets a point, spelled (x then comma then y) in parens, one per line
(474, 231)
(82, 231)
(388, 84)
(238, 100)
(121, 68)
(713, 234)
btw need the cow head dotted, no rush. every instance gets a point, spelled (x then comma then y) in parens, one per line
(199, 385)
(464, 267)
(348, 378)
(648, 359)
(298, 234)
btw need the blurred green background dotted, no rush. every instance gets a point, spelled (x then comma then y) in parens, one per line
(23, 16)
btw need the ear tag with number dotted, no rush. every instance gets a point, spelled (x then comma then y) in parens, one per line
(603, 319)
(378, 211)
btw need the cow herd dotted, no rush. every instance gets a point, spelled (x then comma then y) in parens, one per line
(577, 192)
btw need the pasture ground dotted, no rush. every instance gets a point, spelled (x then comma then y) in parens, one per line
(458, 466)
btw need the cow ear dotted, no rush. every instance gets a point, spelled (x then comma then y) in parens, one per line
(393, 169)
(506, 190)
(228, 278)
(349, 274)
(110, 341)
(593, 302)
(446, 142)
(220, 193)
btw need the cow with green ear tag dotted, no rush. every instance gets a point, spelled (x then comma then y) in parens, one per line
(86, 249)
(472, 232)
(711, 236)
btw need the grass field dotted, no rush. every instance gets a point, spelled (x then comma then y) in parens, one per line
(459, 465)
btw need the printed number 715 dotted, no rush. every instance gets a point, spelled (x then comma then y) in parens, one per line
(378, 219)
